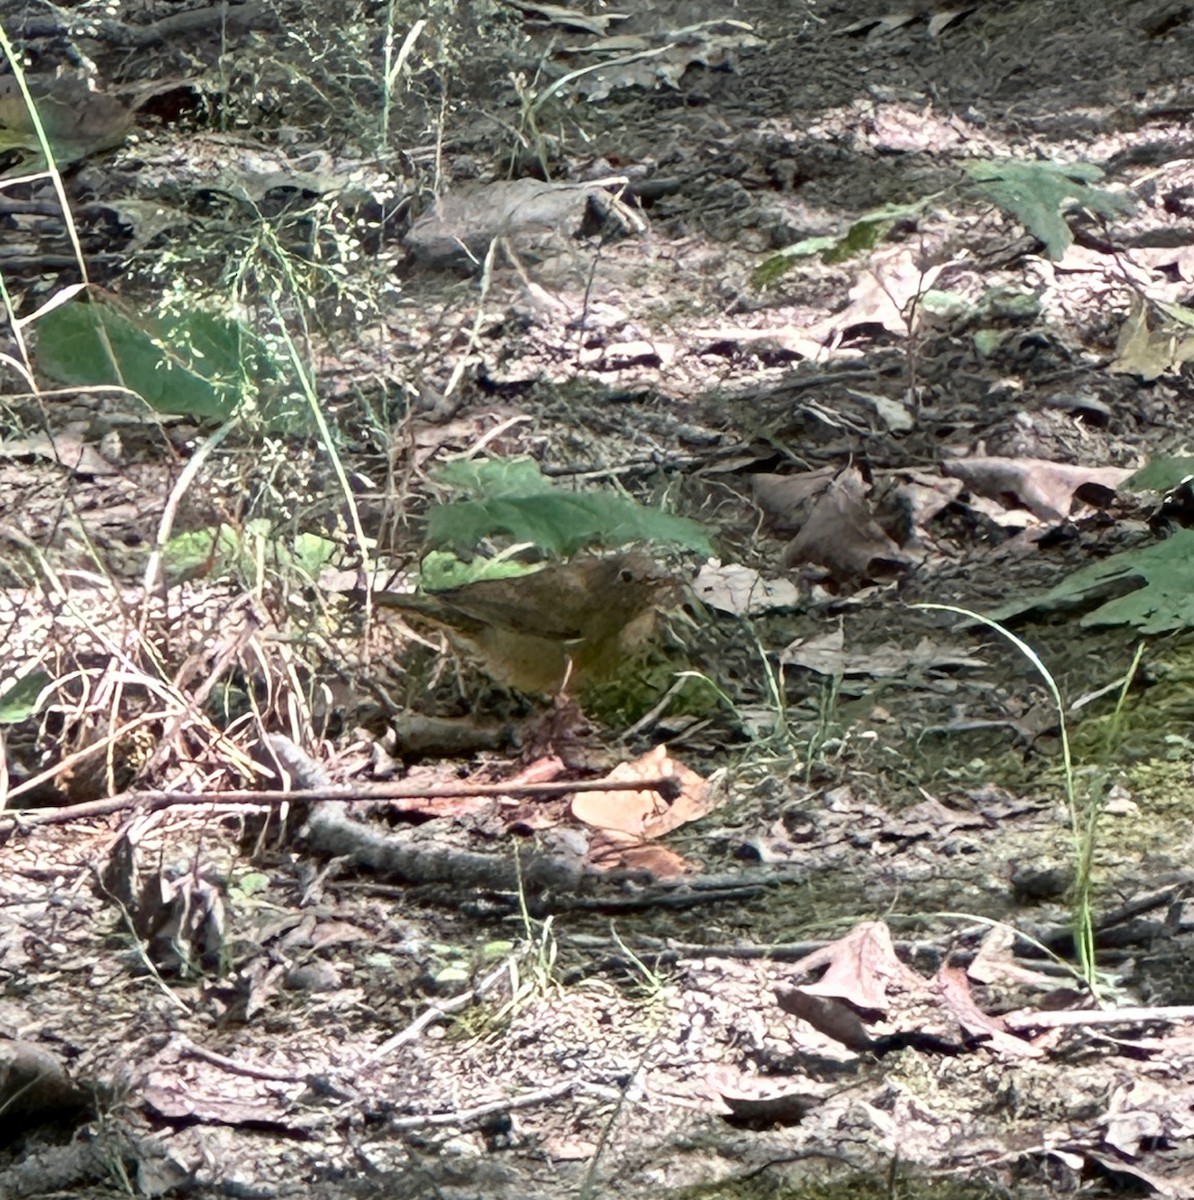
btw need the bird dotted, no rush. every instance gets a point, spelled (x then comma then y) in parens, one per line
(566, 625)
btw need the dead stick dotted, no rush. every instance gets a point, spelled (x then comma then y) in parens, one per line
(1110, 1016)
(665, 786)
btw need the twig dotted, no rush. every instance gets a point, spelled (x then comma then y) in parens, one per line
(469, 1116)
(443, 1008)
(266, 1074)
(153, 800)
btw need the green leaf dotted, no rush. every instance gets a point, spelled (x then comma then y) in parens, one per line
(561, 523)
(1037, 194)
(869, 230)
(23, 699)
(780, 263)
(196, 364)
(252, 882)
(1161, 475)
(1178, 312)
(221, 551)
(512, 498)
(441, 570)
(312, 553)
(861, 235)
(200, 551)
(1150, 588)
(987, 341)
(493, 477)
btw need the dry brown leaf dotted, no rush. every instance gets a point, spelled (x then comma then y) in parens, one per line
(1147, 352)
(868, 997)
(1045, 488)
(842, 536)
(828, 1015)
(995, 962)
(884, 294)
(644, 814)
(741, 590)
(772, 1101)
(939, 21)
(628, 820)
(955, 992)
(788, 499)
(619, 812)
(827, 655)
(920, 497)
(861, 968)
(76, 120)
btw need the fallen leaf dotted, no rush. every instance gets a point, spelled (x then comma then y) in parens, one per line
(939, 21)
(884, 295)
(741, 590)
(920, 497)
(955, 992)
(787, 499)
(842, 535)
(861, 967)
(76, 120)
(827, 656)
(1045, 488)
(996, 963)
(759, 1100)
(608, 853)
(832, 1017)
(644, 814)
(1148, 353)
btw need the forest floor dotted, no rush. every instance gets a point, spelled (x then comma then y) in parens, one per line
(787, 294)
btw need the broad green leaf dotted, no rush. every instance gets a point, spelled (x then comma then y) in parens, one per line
(76, 120)
(869, 230)
(513, 498)
(561, 523)
(1037, 194)
(441, 570)
(197, 364)
(779, 264)
(311, 553)
(223, 551)
(987, 341)
(493, 477)
(200, 551)
(1150, 588)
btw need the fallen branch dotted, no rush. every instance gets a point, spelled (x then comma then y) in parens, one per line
(397, 793)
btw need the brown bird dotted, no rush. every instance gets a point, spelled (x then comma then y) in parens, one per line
(572, 623)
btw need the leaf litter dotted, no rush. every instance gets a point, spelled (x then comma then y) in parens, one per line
(246, 1022)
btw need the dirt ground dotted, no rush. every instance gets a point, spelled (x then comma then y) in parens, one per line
(824, 944)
